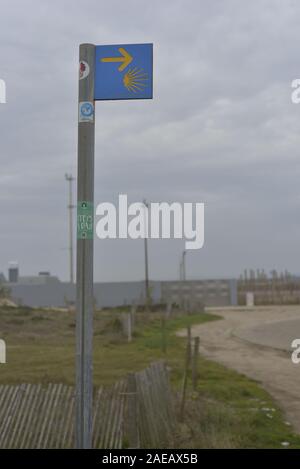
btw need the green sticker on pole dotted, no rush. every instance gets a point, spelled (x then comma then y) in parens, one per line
(85, 220)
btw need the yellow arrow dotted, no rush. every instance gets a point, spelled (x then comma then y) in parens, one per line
(125, 59)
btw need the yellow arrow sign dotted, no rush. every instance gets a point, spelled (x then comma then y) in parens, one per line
(126, 59)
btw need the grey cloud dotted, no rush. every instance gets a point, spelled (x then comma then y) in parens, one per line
(221, 129)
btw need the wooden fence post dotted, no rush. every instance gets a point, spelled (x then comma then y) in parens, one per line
(185, 375)
(195, 363)
(127, 325)
(189, 342)
(163, 334)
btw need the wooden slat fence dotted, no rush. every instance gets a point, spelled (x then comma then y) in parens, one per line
(136, 412)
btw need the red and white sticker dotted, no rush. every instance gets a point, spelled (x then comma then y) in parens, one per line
(84, 69)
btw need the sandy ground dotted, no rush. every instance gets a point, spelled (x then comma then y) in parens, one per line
(256, 342)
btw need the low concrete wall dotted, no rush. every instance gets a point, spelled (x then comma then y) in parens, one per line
(53, 293)
(56, 294)
(220, 292)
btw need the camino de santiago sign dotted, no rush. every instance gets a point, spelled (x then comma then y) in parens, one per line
(114, 72)
(124, 72)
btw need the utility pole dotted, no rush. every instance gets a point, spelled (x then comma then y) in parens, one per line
(182, 276)
(69, 178)
(183, 266)
(85, 245)
(147, 292)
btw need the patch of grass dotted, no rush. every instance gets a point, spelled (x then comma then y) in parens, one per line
(16, 321)
(42, 347)
(230, 410)
(40, 317)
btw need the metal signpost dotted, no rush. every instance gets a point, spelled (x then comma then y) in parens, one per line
(105, 73)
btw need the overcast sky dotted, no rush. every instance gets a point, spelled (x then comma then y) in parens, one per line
(221, 129)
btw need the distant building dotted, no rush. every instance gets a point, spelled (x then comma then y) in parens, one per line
(13, 272)
(40, 279)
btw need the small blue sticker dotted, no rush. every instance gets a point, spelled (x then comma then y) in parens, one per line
(86, 111)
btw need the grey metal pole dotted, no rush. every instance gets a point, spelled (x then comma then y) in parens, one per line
(85, 215)
(147, 293)
(70, 180)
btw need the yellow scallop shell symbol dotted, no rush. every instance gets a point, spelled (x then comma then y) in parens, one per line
(135, 79)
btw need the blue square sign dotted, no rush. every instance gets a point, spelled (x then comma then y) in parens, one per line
(124, 72)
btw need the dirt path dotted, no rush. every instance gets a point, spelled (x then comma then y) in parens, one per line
(224, 341)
